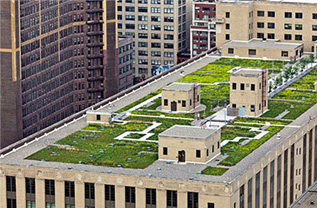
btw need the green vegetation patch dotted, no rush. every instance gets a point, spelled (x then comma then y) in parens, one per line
(214, 171)
(229, 133)
(155, 104)
(135, 135)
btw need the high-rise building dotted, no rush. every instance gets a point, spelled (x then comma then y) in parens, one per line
(160, 29)
(57, 57)
(203, 28)
(125, 47)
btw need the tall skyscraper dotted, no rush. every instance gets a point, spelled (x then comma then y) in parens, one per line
(57, 57)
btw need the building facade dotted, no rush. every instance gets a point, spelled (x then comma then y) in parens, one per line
(160, 29)
(126, 65)
(203, 28)
(59, 57)
(287, 21)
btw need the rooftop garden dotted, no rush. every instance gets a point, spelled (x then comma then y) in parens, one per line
(102, 145)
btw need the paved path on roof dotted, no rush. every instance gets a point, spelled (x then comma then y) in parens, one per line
(145, 131)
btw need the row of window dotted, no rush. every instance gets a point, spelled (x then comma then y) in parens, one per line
(155, 62)
(145, 18)
(298, 15)
(287, 26)
(145, 9)
(166, 2)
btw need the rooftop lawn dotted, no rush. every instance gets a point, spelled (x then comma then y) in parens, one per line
(95, 144)
(214, 171)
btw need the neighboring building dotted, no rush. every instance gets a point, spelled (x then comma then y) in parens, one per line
(267, 49)
(290, 21)
(189, 144)
(126, 65)
(274, 175)
(308, 199)
(203, 28)
(180, 97)
(248, 91)
(160, 29)
(56, 59)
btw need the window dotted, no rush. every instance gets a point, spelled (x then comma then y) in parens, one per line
(130, 194)
(155, 36)
(252, 108)
(314, 27)
(168, 10)
(49, 187)
(270, 36)
(211, 205)
(284, 53)
(298, 15)
(183, 103)
(171, 198)
(298, 37)
(234, 105)
(110, 195)
(271, 14)
(227, 37)
(89, 191)
(314, 15)
(252, 87)
(150, 196)
(98, 117)
(288, 37)
(260, 35)
(241, 86)
(288, 14)
(270, 25)
(260, 13)
(142, 27)
(165, 151)
(155, 19)
(287, 26)
(241, 196)
(30, 185)
(155, 10)
(155, 1)
(227, 14)
(252, 52)
(230, 50)
(314, 38)
(198, 153)
(234, 86)
(69, 189)
(31, 204)
(298, 26)
(227, 26)
(143, 18)
(260, 25)
(129, 9)
(192, 200)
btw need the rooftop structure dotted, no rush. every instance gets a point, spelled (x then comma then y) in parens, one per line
(187, 132)
(179, 87)
(121, 159)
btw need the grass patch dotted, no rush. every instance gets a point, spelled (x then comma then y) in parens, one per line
(229, 133)
(135, 136)
(214, 171)
(155, 104)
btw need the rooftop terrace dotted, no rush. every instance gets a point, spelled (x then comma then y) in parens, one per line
(130, 145)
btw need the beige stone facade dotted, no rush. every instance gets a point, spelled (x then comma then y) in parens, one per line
(180, 97)
(291, 22)
(267, 49)
(189, 144)
(98, 117)
(248, 91)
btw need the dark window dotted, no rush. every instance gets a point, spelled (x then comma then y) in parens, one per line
(98, 118)
(287, 26)
(304, 163)
(284, 53)
(252, 52)
(241, 196)
(260, 13)
(30, 185)
(270, 25)
(252, 87)
(288, 37)
(260, 24)
(314, 38)
(285, 178)
(211, 205)
(252, 108)
(227, 14)
(171, 198)
(192, 200)
(314, 15)
(271, 14)
(166, 102)
(250, 193)
(11, 185)
(197, 97)
(234, 86)
(288, 14)
(270, 36)
(314, 27)
(198, 153)
(165, 151)
(230, 50)
(227, 26)
(298, 37)
(298, 15)
(272, 184)
(260, 35)
(89, 191)
(227, 37)
(264, 186)
(11, 203)
(278, 185)
(257, 190)
(234, 105)
(183, 103)
(49, 187)
(110, 192)
(150, 196)
(292, 174)
(298, 27)
(241, 86)
(69, 189)
(130, 194)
